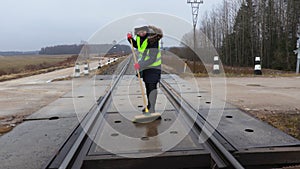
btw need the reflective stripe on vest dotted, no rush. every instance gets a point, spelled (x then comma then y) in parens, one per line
(142, 48)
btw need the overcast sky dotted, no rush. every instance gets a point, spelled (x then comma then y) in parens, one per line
(32, 24)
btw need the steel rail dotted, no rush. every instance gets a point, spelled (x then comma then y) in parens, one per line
(85, 127)
(222, 157)
(219, 153)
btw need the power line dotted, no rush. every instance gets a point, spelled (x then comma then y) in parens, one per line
(195, 4)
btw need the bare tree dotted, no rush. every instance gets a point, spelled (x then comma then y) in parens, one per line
(244, 29)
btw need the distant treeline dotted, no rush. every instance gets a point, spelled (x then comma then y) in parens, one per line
(85, 49)
(14, 53)
(61, 49)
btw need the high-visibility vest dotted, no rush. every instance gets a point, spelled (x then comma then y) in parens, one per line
(142, 50)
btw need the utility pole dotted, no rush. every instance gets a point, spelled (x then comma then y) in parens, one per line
(195, 11)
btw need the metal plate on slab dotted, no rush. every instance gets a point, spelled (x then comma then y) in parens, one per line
(132, 103)
(244, 131)
(118, 135)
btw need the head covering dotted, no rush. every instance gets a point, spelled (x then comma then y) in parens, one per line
(140, 24)
(154, 35)
(144, 28)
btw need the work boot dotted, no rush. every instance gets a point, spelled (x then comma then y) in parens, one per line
(150, 110)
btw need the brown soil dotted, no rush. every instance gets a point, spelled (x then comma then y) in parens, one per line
(35, 69)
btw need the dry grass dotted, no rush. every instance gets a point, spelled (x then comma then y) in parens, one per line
(286, 121)
(109, 69)
(202, 71)
(19, 63)
(62, 79)
(243, 72)
(13, 67)
(5, 128)
(249, 72)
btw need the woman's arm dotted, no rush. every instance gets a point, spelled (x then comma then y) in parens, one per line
(133, 42)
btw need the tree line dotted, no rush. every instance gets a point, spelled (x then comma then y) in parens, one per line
(85, 49)
(244, 29)
(61, 49)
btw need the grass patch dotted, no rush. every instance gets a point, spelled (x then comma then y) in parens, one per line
(201, 70)
(288, 122)
(16, 64)
(254, 85)
(62, 79)
(12, 67)
(109, 69)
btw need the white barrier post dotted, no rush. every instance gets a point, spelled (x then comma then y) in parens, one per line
(298, 56)
(185, 66)
(77, 70)
(257, 67)
(100, 65)
(86, 69)
(216, 68)
(298, 62)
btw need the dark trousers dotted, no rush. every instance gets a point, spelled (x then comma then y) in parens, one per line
(151, 90)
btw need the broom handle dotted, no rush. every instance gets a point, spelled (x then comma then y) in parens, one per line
(139, 77)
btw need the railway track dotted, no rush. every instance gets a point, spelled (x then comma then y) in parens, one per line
(200, 144)
(220, 155)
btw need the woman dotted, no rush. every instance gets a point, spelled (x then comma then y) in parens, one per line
(147, 43)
